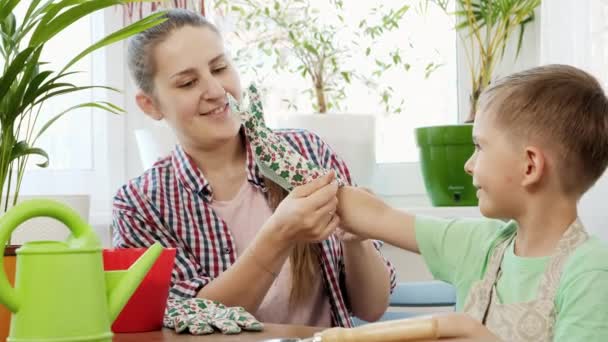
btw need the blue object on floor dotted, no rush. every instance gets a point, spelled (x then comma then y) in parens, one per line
(416, 295)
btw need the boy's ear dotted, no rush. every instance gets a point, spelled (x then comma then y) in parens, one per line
(147, 104)
(535, 162)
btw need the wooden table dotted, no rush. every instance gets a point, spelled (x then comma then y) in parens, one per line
(270, 331)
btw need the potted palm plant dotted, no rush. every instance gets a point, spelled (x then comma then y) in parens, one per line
(26, 83)
(317, 45)
(485, 28)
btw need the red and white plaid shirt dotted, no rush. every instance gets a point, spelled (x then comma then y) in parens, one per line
(171, 203)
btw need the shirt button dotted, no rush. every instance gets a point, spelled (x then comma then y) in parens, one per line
(227, 250)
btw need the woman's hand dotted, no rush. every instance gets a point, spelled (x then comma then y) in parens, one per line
(307, 214)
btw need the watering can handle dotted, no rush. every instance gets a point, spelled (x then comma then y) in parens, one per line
(25, 211)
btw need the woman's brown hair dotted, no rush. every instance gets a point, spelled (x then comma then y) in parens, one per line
(303, 257)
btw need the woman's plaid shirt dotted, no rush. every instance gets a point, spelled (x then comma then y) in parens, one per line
(170, 203)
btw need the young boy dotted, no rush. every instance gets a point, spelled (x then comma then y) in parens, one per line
(541, 139)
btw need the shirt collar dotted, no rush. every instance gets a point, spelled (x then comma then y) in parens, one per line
(192, 177)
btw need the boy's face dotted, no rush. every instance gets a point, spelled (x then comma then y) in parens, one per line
(495, 166)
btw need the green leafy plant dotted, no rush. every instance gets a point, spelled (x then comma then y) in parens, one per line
(25, 83)
(485, 27)
(317, 45)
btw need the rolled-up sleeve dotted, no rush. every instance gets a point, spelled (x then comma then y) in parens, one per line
(134, 225)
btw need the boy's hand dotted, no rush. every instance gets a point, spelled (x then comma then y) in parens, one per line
(358, 210)
(368, 217)
(345, 236)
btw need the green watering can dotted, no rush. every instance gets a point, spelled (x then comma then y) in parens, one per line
(61, 291)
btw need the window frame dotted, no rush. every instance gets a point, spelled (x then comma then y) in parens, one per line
(401, 183)
(102, 180)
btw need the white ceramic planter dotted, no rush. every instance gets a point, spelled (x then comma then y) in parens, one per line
(351, 136)
(45, 228)
(153, 142)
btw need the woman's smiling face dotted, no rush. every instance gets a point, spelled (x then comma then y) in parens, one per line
(193, 76)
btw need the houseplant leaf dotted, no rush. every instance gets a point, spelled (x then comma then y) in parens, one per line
(100, 104)
(51, 25)
(27, 76)
(16, 67)
(25, 84)
(6, 8)
(22, 149)
(70, 90)
(119, 35)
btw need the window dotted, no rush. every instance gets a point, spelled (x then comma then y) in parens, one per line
(59, 139)
(429, 100)
(424, 38)
(86, 147)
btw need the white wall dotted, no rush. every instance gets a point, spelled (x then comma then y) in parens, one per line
(592, 209)
(136, 119)
(574, 32)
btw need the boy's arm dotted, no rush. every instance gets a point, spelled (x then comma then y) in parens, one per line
(361, 213)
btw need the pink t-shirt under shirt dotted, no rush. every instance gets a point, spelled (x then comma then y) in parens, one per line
(245, 214)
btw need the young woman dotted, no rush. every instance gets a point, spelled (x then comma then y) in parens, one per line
(241, 239)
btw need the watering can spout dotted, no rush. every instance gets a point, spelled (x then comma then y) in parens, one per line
(121, 285)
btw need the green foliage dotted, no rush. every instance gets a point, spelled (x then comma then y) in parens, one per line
(317, 45)
(25, 82)
(486, 27)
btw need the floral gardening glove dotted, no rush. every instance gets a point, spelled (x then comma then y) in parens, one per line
(199, 317)
(276, 158)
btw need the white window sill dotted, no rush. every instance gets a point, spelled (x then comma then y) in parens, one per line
(444, 212)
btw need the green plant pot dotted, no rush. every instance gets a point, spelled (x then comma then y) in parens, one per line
(443, 153)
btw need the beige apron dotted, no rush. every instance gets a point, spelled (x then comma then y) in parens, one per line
(527, 321)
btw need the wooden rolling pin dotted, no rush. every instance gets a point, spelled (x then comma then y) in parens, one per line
(389, 331)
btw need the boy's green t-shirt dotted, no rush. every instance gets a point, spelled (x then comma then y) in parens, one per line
(456, 251)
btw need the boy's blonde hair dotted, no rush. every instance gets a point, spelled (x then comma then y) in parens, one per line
(563, 108)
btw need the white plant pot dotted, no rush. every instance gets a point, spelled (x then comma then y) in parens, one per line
(351, 136)
(45, 228)
(154, 142)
